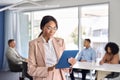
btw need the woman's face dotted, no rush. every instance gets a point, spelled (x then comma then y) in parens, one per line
(49, 29)
(108, 50)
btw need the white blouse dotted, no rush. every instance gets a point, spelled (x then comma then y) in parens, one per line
(50, 55)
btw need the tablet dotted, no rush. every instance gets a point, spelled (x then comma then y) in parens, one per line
(63, 61)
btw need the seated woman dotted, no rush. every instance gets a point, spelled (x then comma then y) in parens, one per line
(111, 57)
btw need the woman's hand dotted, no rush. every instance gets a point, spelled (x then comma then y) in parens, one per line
(72, 61)
(51, 68)
(101, 62)
(67, 70)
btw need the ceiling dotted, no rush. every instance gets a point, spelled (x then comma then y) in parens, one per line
(9, 2)
(31, 5)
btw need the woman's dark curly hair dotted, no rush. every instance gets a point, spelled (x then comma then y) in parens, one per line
(113, 46)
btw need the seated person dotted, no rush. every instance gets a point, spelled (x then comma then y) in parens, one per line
(111, 57)
(13, 57)
(88, 54)
(15, 61)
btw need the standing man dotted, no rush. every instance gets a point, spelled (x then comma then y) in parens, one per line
(88, 54)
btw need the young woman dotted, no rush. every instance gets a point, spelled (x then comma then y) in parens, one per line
(111, 57)
(45, 51)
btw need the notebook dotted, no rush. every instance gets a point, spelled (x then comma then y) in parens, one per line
(63, 61)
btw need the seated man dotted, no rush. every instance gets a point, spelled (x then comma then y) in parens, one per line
(13, 56)
(88, 54)
(15, 61)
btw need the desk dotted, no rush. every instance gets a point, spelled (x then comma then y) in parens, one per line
(93, 66)
(104, 67)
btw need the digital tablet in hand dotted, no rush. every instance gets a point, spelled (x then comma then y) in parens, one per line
(63, 61)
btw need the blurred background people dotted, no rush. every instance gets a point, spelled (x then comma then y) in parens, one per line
(15, 60)
(111, 57)
(88, 54)
(12, 54)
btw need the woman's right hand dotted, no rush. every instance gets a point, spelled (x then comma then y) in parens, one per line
(51, 68)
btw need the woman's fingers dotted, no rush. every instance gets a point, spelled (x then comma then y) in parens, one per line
(72, 61)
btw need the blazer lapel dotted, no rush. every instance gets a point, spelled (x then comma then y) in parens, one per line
(41, 48)
(56, 47)
(57, 50)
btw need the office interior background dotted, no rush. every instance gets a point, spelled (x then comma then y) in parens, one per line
(77, 20)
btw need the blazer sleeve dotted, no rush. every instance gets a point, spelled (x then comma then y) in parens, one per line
(33, 69)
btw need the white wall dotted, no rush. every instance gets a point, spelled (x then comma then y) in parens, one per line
(115, 21)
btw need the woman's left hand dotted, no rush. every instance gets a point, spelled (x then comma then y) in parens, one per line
(72, 61)
(67, 70)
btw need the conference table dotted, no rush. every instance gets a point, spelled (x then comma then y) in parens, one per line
(93, 66)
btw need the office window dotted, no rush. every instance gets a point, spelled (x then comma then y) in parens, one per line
(67, 24)
(94, 25)
(75, 24)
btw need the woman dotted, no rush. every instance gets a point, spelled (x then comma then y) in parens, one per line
(111, 57)
(45, 51)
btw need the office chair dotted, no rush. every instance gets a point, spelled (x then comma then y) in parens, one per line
(19, 68)
(113, 75)
(15, 68)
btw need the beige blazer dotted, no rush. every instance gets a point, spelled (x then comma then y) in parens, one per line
(14, 56)
(36, 60)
